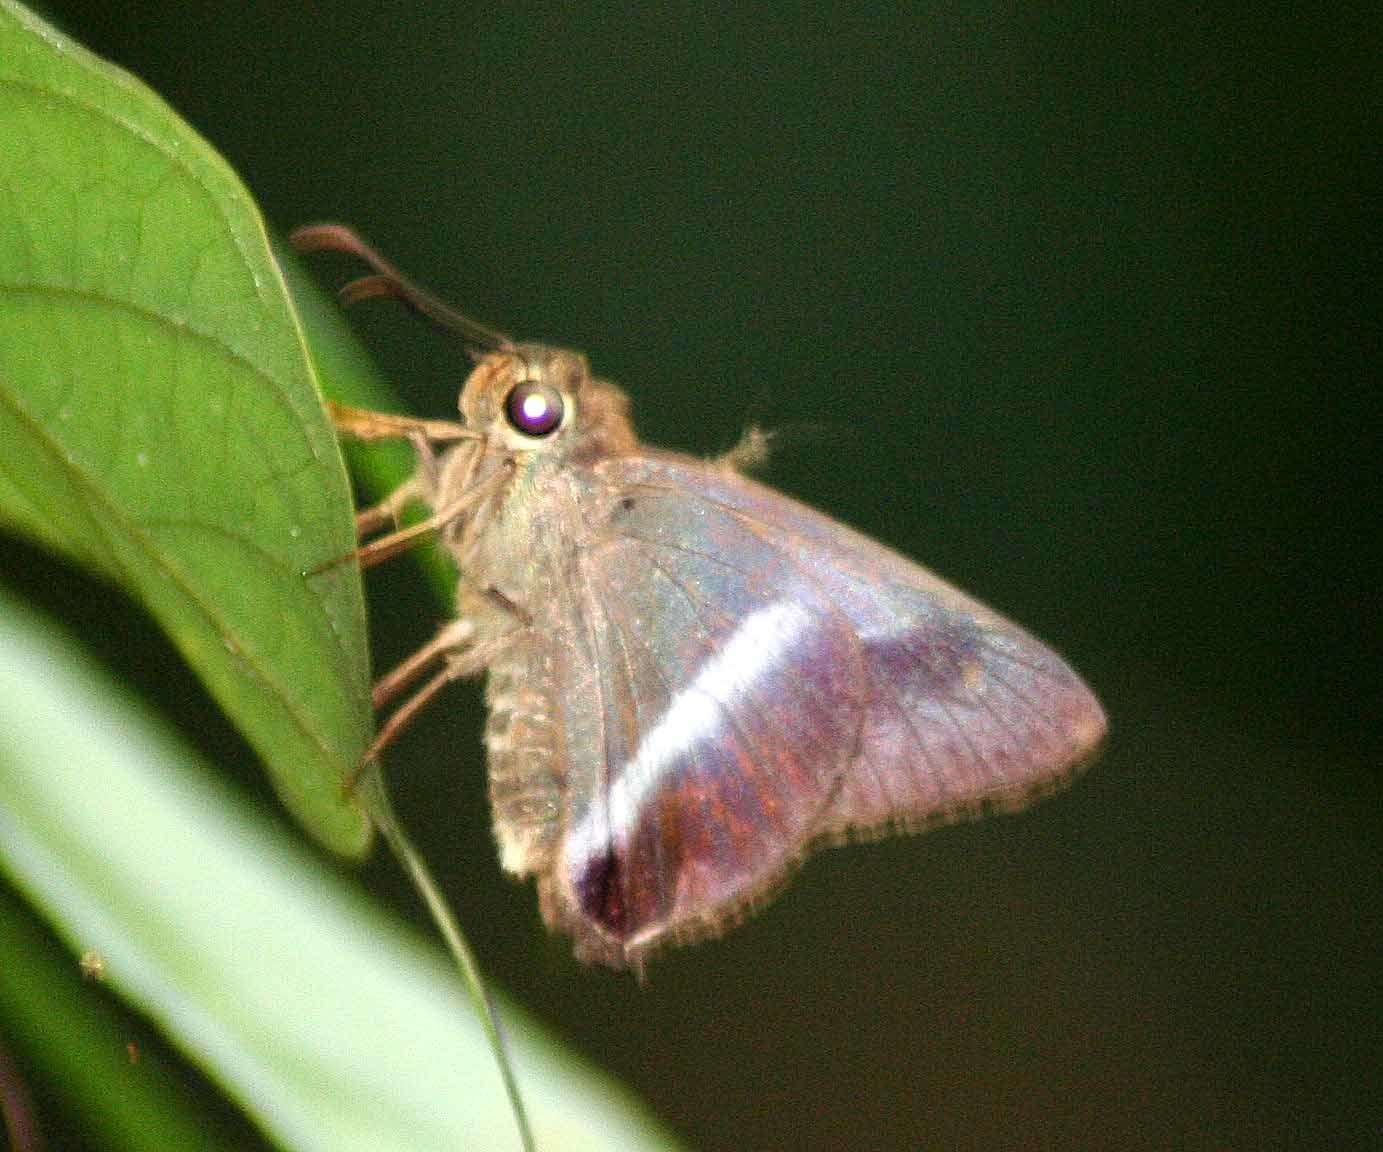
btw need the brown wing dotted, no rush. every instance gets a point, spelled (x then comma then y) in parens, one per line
(755, 679)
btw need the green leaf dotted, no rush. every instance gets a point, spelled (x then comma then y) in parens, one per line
(346, 373)
(158, 415)
(332, 1027)
(72, 1037)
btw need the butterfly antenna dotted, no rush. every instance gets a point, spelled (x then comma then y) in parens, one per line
(389, 281)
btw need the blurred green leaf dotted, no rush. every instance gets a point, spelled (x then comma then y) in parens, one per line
(158, 416)
(332, 1027)
(71, 1037)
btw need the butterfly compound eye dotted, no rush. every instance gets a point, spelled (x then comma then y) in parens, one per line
(534, 409)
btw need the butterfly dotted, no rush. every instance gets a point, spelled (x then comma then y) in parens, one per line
(692, 680)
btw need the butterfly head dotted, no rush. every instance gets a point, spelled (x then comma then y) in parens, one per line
(536, 400)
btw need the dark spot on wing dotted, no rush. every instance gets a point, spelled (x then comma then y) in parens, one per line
(933, 662)
(600, 890)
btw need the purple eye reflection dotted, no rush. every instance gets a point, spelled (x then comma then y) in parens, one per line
(534, 409)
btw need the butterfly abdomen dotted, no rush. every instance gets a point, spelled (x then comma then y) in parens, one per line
(521, 740)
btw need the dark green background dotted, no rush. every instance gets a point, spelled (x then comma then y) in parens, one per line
(1077, 308)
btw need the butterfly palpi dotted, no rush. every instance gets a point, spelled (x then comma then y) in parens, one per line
(692, 680)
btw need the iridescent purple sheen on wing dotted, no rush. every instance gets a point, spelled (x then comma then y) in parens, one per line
(743, 723)
(769, 679)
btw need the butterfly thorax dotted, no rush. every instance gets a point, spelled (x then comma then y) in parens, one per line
(518, 494)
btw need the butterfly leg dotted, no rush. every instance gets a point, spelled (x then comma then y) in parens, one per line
(377, 516)
(396, 723)
(370, 520)
(386, 547)
(366, 424)
(462, 662)
(381, 548)
(420, 488)
(451, 639)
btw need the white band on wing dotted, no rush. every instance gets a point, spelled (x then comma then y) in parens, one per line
(756, 648)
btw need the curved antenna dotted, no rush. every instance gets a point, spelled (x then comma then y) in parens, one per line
(389, 281)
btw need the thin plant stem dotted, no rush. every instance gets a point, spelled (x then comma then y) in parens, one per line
(377, 804)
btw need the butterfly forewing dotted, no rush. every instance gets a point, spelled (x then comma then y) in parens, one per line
(766, 679)
(728, 705)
